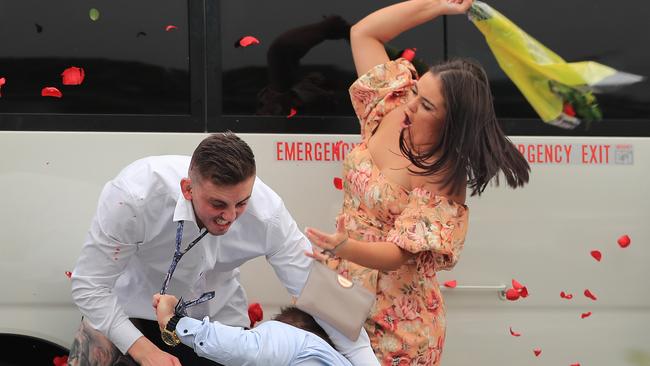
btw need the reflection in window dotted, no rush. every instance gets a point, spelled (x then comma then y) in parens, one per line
(133, 62)
(303, 60)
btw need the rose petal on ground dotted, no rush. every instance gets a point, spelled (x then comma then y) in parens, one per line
(624, 241)
(516, 284)
(68, 274)
(292, 113)
(73, 76)
(60, 360)
(585, 315)
(451, 284)
(514, 334)
(50, 91)
(597, 255)
(512, 294)
(338, 183)
(590, 295)
(170, 28)
(575, 364)
(3, 81)
(247, 41)
(93, 14)
(537, 352)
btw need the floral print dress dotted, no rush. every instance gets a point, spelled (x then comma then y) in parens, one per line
(407, 324)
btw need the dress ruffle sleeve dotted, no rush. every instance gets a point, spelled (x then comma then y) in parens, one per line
(431, 223)
(379, 91)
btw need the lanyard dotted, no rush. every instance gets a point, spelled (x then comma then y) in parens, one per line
(178, 254)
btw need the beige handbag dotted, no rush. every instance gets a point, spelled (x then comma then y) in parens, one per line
(341, 303)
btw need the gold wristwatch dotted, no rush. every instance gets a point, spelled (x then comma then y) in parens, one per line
(168, 334)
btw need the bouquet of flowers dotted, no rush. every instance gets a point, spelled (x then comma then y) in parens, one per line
(559, 91)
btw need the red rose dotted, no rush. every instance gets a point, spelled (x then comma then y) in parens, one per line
(255, 313)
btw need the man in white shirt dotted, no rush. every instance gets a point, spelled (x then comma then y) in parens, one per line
(132, 240)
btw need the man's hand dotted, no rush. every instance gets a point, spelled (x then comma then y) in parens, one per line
(164, 305)
(146, 353)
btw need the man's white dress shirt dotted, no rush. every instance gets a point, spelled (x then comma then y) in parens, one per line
(131, 242)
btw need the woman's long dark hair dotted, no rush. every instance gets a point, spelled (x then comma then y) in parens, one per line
(472, 145)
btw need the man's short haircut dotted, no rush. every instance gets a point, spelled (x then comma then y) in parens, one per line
(223, 158)
(293, 316)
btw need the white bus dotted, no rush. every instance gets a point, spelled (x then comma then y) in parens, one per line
(153, 90)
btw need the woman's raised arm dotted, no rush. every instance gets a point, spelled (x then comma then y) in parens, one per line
(368, 36)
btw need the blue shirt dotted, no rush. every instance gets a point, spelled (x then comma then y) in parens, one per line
(270, 343)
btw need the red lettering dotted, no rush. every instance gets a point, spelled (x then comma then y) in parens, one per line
(299, 151)
(290, 152)
(558, 153)
(308, 151)
(567, 148)
(318, 151)
(278, 151)
(607, 154)
(584, 154)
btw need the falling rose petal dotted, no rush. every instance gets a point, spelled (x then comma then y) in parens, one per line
(451, 284)
(512, 294)
(624, 241)
(39, 28)
(3, 81)
(94, 14)
(585, 315)
(590, 295)
(516, 284)
(170, 28)
(338, 183)
(247, 41)
(537, 352)
(50, 91)
(255, 313)
(523, 292)
(597, 255)
(514, 334)
(292, 113)
(566, 296)
(408, 54)
(143, 34)
(575, 364)
(68, 274)
(73, 76)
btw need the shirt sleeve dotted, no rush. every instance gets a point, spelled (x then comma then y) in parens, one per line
(379, 91)
(112, 240)
(289, 244)
(431, 223)
(266, 344)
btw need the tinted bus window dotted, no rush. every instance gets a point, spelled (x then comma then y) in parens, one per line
(135, 55)
(303, 61)
(577, 30)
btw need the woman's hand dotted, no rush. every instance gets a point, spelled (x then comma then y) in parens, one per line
(329, 242)
(452, 7)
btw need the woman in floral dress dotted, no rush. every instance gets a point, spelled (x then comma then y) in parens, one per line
(424, 142)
